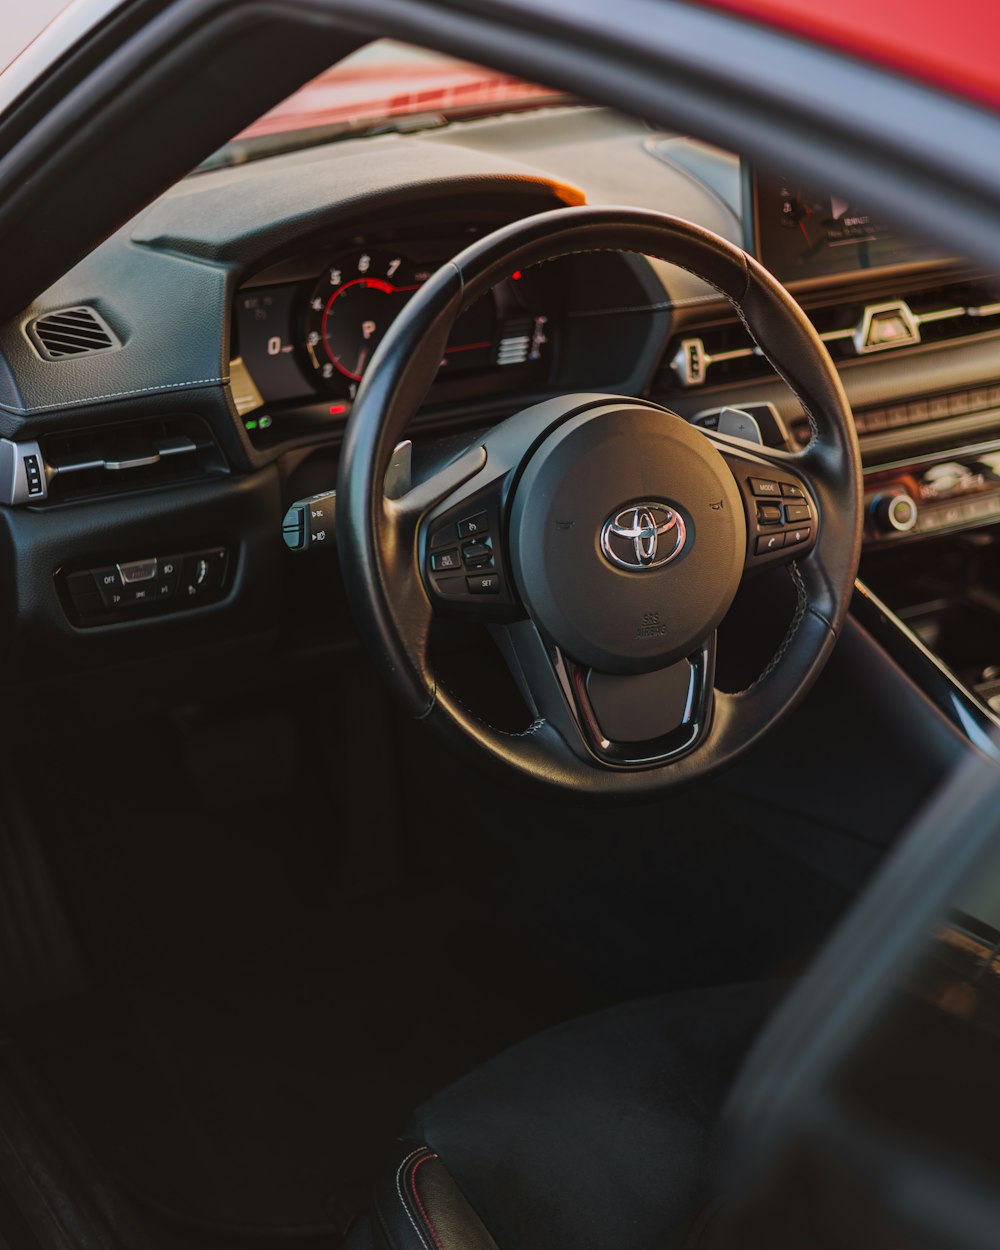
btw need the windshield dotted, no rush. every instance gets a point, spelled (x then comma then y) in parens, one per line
(23, 23)
(384, 83)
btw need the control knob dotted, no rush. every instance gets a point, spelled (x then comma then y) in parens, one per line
(893, 511)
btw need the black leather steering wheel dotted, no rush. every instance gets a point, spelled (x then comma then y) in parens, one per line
(602, 538)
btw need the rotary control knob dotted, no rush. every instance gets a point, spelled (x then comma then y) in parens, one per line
(894, 511)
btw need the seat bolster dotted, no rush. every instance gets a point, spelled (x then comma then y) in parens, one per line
(419, 1207)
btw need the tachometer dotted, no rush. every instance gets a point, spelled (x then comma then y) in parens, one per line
(352, 307)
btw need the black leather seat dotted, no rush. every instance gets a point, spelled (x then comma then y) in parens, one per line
(594, 1135)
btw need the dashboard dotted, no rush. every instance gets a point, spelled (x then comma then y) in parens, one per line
(306, 327)
(194, 374)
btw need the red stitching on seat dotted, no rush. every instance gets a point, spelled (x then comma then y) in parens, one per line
(413, 1185)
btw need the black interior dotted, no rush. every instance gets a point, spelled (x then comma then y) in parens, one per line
(219, 1094)
(257, 925)
(198, 1061)
(948, 593)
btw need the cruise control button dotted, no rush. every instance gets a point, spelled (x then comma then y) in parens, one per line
(478, 555)
(446, 561)
(794, 537)
(763, 486)
(795, 512)
(473, 525)
(791, 491)
(484, 584)
(769, 542)
(769, 513)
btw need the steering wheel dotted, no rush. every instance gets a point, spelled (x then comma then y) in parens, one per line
(602, 538)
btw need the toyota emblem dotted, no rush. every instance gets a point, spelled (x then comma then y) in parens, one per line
(643, 536)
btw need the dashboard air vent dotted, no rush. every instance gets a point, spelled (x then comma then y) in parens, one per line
(721, 353)
(71, 332)
(132, 455)
(716, 354)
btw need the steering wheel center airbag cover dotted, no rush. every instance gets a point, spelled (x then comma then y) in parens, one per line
(628, 537)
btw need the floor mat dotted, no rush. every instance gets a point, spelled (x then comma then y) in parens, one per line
(277, 984)
(258, 1034)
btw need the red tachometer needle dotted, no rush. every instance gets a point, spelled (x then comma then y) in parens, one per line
(467, 347)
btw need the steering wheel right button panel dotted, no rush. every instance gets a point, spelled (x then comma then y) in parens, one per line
(782, 517)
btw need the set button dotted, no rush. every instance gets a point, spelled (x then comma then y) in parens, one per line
(484, 584)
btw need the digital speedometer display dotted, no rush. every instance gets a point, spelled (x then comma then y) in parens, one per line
(802, 232)
(354, 303)
(361, 293)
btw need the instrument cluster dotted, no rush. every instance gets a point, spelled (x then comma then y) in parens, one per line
(306, 329)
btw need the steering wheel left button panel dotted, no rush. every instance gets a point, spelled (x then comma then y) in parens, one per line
(463, 557)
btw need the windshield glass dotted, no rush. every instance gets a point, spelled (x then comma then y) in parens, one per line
(384, 83)
(22, 23)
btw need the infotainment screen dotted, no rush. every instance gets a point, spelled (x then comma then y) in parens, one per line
(800, 232)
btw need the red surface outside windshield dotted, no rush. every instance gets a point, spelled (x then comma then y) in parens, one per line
(955, 45)
(388, 80)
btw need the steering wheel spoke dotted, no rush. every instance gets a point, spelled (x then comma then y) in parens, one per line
(625, 721)
(461, 548)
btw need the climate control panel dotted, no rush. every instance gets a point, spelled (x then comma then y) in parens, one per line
(933, 494)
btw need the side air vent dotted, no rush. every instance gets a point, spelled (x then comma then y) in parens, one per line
(71, 332)
(718, 354)
(132, 455)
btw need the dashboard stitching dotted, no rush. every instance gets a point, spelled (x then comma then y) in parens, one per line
(802, 603)
(661, 306)
(142, 390)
